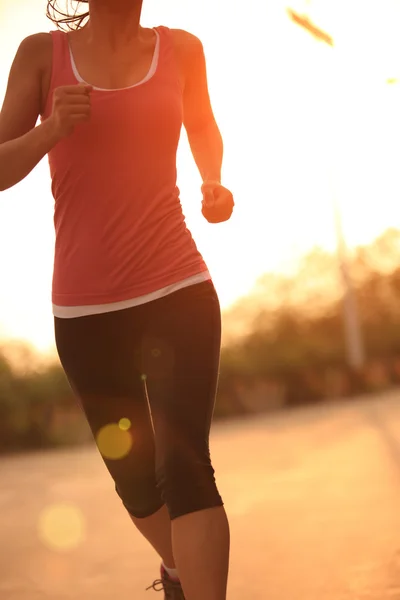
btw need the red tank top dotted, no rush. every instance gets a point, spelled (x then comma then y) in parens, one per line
(120, 230)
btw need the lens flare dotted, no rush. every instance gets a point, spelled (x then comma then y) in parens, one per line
(113, 441)
(125, 424)
(61, 527)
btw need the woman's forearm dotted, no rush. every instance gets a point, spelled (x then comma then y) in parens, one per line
(20, 156)
(208, 149)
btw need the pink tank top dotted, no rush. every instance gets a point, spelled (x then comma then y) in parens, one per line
(120, 230)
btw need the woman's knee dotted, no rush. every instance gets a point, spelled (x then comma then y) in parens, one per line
(141, 499)
(187, 485)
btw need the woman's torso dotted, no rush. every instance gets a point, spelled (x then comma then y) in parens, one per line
(120, 231)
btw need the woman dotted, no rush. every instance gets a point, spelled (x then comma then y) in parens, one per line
(137, 319)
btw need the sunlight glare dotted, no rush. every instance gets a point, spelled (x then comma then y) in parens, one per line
(303, 125)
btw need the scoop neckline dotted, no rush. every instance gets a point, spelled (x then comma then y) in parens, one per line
(150, 74)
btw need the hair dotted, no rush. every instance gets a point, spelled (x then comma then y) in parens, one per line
(69, 18)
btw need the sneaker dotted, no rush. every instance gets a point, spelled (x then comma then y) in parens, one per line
(172, 589)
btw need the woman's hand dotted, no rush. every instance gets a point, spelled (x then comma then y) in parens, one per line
(218, 203)
(71, 106)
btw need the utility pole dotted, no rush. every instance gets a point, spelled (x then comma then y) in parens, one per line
(352, 326)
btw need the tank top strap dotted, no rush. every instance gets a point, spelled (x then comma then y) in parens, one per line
(60, 47)
(61, 72)
(167, 62)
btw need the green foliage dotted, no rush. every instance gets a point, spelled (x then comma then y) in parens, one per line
(291, 329)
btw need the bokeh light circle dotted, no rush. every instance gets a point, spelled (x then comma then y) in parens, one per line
(61, 527)
(125, 424)
(114, 442)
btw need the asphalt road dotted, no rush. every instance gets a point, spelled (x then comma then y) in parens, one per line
(313, 497)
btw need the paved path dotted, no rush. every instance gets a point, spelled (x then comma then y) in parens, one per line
(313, 496)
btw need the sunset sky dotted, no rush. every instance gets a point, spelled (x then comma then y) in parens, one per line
(301, 123)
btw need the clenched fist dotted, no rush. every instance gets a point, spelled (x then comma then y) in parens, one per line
(218, 203)
(71, 105)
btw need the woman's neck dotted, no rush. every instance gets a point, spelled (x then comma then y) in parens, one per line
(114, 22)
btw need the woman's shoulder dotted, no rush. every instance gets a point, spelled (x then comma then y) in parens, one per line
(185, 40)
(188, 48)
(36, 51)
(36, 45)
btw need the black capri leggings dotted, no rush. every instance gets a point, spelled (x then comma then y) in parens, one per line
(146, 378)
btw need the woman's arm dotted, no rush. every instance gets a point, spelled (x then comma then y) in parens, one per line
(22, 145)
(203, 134)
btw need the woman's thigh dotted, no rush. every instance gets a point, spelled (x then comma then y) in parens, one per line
(100, 355)
(180, 361)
